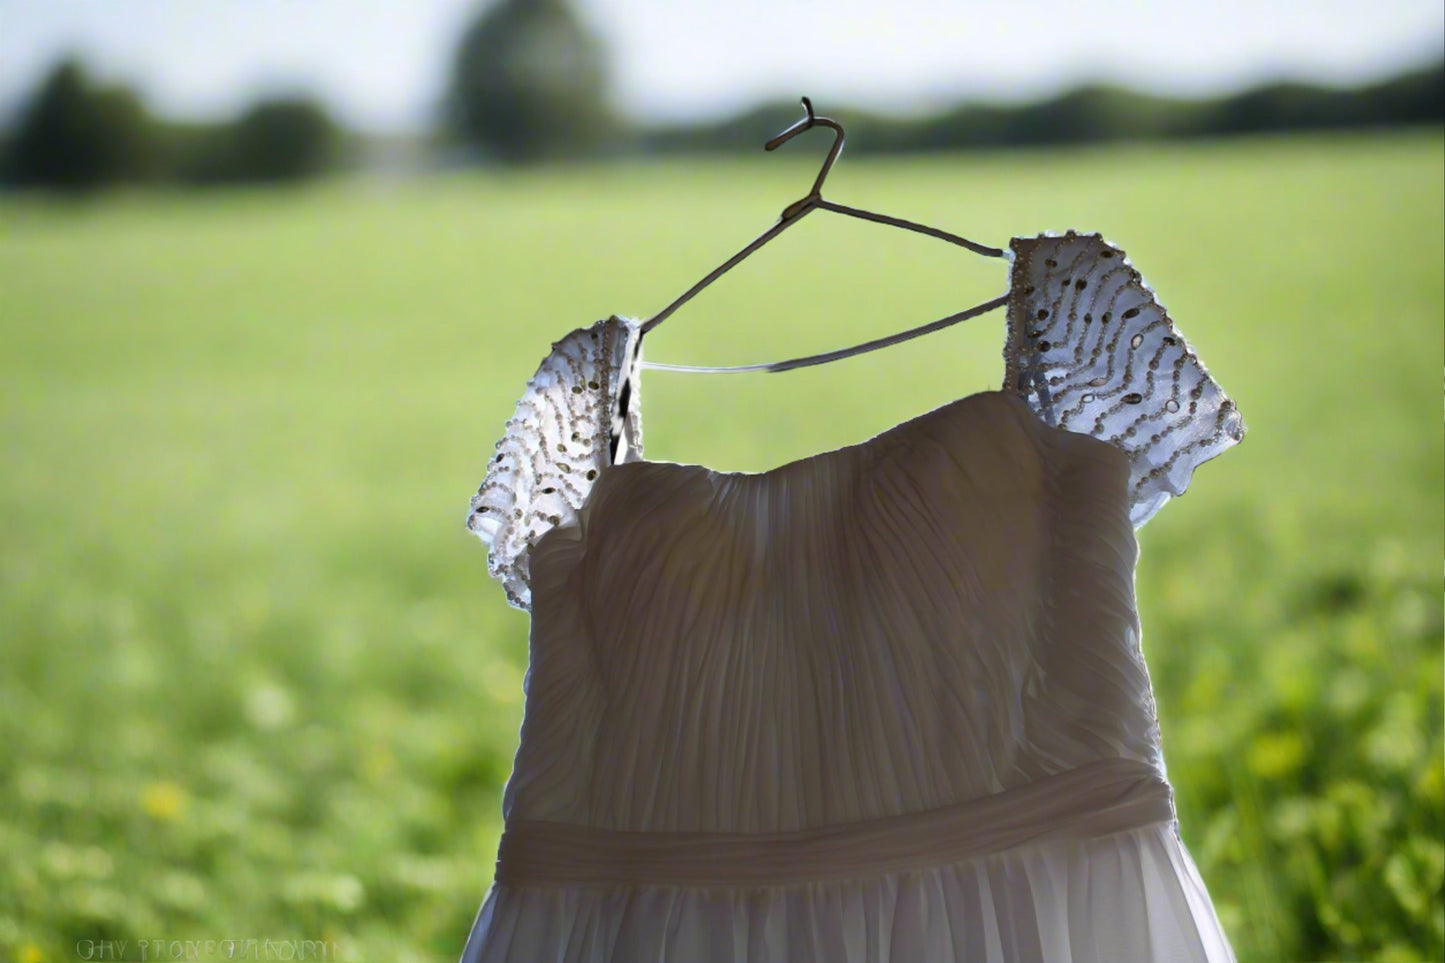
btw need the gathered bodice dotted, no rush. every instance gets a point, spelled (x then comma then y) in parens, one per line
(947, 607)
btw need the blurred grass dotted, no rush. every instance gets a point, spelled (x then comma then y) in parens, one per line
(257, 684)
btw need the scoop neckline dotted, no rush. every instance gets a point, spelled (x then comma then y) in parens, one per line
(578, 523)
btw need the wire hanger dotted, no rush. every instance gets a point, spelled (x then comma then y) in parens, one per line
(795, 212)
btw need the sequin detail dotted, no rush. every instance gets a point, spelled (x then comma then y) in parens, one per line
(579, 415)
(1091, 349)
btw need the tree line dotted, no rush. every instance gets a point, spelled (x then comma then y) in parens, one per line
(75, 134)
(528, 82)
(1096, 114)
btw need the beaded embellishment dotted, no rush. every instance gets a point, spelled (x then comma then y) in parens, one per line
(1091, 349)
(579, 416)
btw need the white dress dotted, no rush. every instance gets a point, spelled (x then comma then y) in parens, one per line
(883, 704)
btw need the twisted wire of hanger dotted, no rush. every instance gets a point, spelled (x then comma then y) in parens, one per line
(840, 353)
(805, 205)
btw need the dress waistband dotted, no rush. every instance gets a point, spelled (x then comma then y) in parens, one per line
(1096, 799)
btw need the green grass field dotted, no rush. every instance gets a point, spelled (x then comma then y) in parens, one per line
(256, 681)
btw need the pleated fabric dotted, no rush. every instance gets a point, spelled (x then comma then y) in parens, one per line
(933, 628)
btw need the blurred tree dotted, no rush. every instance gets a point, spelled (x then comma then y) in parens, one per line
(1093, 114)
(75, 136)
(528, 83)
(282, 139)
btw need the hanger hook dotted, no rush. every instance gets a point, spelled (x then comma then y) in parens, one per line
(807, 123)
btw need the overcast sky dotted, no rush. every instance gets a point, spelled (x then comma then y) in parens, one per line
(381, 64)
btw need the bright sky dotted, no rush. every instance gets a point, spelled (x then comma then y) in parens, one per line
(381, 64)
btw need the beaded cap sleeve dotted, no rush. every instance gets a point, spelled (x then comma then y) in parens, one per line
(579, 415)
(1092, 350)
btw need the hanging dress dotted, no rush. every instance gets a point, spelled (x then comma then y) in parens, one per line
(879, 705)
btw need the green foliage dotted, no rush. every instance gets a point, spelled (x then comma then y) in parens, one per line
(76, 136)
(284, 139)
(1096, 114)
(528, 83)
(258, 685)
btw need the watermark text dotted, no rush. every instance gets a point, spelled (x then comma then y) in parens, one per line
(156, 951)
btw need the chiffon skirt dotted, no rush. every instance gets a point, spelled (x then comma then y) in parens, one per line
(1132, 896)
(1083, 867)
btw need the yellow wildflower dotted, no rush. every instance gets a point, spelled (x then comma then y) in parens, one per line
(163, 800)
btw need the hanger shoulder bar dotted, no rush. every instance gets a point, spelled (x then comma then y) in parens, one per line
(942, 235)
(840, 353)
